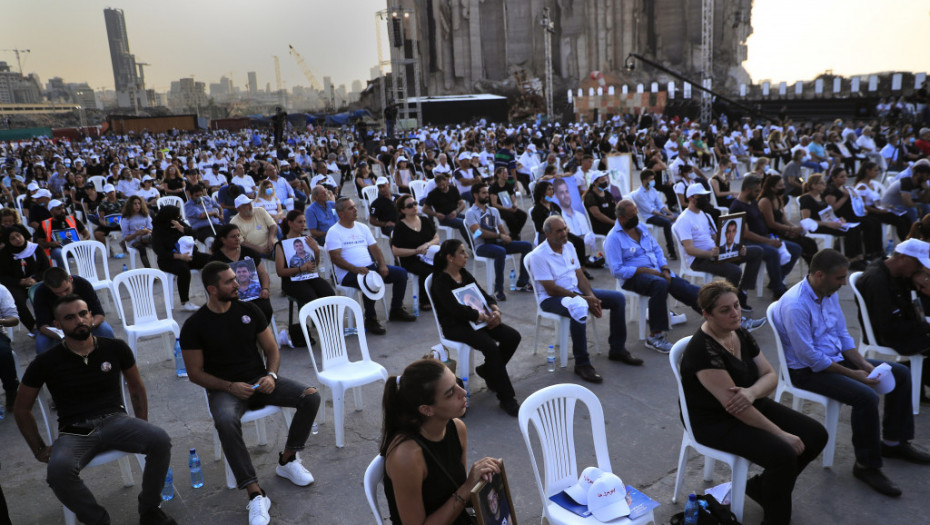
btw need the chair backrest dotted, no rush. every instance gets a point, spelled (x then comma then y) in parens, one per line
(552, 412)
(374, 474)
(674, 359)
(369, 194)
(328, 315)
(866, 335)
(172, 200)
(783, 374)
(85, 256)
(429, 294)
(417, 187)
(19, 204)
(141, 286)
(99, 181)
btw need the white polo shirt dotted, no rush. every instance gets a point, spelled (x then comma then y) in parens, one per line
(353, 242)
(697, 228)
(547, 265)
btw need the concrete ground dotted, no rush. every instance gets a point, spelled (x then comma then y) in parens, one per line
(640, 407)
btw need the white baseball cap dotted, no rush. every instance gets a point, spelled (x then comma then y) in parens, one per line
(917, 249)
(43, 193)
(381, 180)
(242, 200)
(607, 498)
(579, 491)
(696, 189)
(54, 203)
(108, 188)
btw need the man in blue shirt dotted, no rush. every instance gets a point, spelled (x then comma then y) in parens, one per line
(822, 358)
(321, 214)
(636, 260)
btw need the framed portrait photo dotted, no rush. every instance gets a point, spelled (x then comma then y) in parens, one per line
(296, 254)
(112, 220)
(730, 236)
(472, 297)
(247, 279)
(492, 502)
(66, 236)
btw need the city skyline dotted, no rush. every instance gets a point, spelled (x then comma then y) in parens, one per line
(789, 42)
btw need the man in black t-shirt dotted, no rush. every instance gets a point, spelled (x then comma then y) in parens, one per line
(220, 346)
(382, 212)
(83, 376)
(446, 204)
(57, 284)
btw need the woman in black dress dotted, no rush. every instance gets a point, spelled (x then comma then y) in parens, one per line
(424, 445)
(412, 237)
(726, 380)
(167, 229)
(496, 341)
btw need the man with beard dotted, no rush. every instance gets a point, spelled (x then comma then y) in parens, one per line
(220, 347)
(83, 376)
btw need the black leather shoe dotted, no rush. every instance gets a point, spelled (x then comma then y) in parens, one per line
(624, 356)
(372, 326)
(907, 452)
(511, 406)
(480, 371)
(156, 516)
(874, 478)
(588, 373)
(402, 315)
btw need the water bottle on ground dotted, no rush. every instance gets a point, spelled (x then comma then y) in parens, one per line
(179, 359)
(196, 473)
(889, 248)
(550, 359)
(513, 280)
(2, 412)
(167, 492)
(416, 306)
(691, 510)
(125, 268)
(315, 429)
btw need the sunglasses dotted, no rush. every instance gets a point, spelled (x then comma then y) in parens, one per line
(410, 205)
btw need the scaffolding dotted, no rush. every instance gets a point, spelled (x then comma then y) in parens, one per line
(707, 60)
(405, 56)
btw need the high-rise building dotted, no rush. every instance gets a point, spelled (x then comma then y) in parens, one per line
(130, 91)
(253, 84)
(17, 89)
(356, 86)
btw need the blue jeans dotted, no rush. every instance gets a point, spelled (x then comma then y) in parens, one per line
(228, 409)
(773, 266)
(732, 272)
(666, 224)
(396, 276)
(616, 338)
(499, 253)
(44, 342)
(57, 258)
(458, 223)
(898, 423)
(118, 431)
(657, 288)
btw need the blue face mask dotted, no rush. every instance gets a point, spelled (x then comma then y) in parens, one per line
(652, 184)
(728, 170)
(269, 191)
(550, 199)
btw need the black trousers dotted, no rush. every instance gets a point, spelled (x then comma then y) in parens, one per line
(782, 466)
(853, 243)
(498, 346)
(514, 221)
(182, 270)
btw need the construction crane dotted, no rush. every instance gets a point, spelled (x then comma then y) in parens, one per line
(314, 83)
(18, 61)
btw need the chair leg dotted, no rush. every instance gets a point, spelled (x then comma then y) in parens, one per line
(217, 447)
(357, 393)
(230, 479)
(536, 337)
(831, 421)
(738, 487)
(564, 337)
(708, 468)
(597, 342)
(125, 470)
(260, 432)
(682, 460)
(339, 416)
(917, 365)
(642, 320)
(70, 518)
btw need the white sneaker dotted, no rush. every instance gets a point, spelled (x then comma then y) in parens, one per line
(295, 471)
(659, 343)
(284, 339)
(190, 307)
(258, 510)
(676, 319)
(751, 325)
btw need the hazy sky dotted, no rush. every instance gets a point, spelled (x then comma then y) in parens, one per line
(792, 39)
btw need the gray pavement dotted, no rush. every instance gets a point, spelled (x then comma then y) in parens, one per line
(644, 435)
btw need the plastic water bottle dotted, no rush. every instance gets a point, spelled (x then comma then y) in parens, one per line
(467, 395)
(416, 306)
(550, 359)
(167, 492)
(2, 412)
(513, 280)
(889, 248)
(179, 359)
(120, 256)
(315, 429)
(196, 474)
(691, 510)
(125, 268)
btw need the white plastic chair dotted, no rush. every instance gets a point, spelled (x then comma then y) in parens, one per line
(552, 412)
(145, 322)
(356, 293)
(562, 324)
(684, 269)
(870, 347)
(831, 406)
(99, 181)
(739, 466)
(134, 253)
(85, 257)
(374, 475)
(417, 188)
(250, 415)
(338, 372)
(172, 200)
(466, 365)
(369, 194)
(636, 304)
(122, 458)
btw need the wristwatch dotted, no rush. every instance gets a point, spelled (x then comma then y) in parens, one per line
(273, 375)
